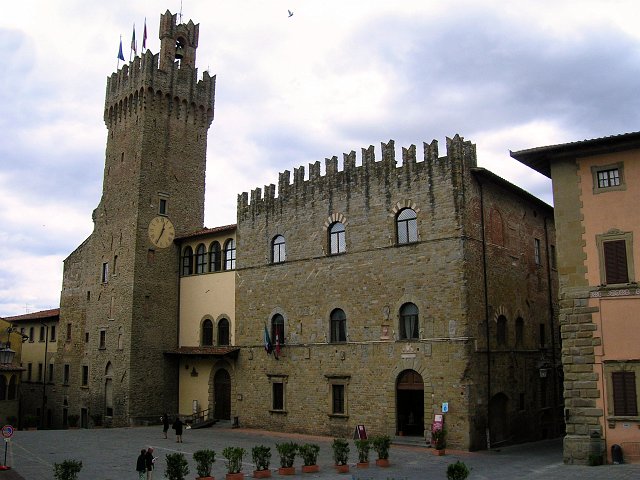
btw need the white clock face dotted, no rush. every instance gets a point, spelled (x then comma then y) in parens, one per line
(161, 232)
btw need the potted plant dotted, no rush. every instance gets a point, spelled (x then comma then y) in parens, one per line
(457, 471)
(67, 470)
(73, 421)
(381, 445)
(309, 453)
(363, 446)
(204, 460)
(341, 454)
(30, 422)
(262, 458)
(287, 452)
(177, 466)
(439, 440)
(234, 456)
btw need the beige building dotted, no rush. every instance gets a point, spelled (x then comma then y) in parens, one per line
(597, 222)
(39, 332)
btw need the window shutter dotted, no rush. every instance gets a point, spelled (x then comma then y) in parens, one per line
(615, 261)
(624, 393)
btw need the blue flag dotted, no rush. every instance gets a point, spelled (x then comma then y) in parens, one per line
(267, 341)
(120, 55)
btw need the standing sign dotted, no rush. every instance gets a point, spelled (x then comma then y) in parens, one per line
(360, 433)
(7, 433)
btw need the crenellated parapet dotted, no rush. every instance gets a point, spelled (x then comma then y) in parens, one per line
(167, 79)
(368, 176)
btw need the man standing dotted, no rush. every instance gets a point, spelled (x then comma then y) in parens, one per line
(141, 464)
(149, 461)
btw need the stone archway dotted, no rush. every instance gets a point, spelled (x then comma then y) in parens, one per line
(410, 403)
(222, 395)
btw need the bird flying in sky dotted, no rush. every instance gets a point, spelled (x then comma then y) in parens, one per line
(290, 13)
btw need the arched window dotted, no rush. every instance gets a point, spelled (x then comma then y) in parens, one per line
(13, 388)
(407, 226)
(3, 387)
(278, 250)
(337, 239)
(223, 332)
(501, 332)
(277, 328)
(201, 259)
(519, 332)
(108, 390)
(187, 261)
(409, 322)
(230, 254)
(338, 326)
(207, 333)
(215, 264)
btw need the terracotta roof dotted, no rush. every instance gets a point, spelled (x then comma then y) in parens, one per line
(206, 231)
(226, 351)
(29, 317)
(540, 158)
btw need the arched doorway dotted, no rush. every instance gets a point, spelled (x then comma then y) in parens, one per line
(410, 403)
(222, 395)
(498, 427)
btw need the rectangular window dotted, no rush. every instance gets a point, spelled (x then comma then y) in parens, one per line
(52, 330)
(65, 377)
(31, 334)
(615, 261)
(51, 373)
(29, 371)
(85, 375)
(543, 336)
(536, 251)
(105, 272)
(43, 334)
(40, 370)
(68, 332)
(337, 399)
(278, 395)
(103, 339)
(115, 265)
(624, 394)
(162, 208)
(609, 178)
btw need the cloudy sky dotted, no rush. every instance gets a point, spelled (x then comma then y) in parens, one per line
(336, 76)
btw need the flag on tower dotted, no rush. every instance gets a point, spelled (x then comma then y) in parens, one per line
(144, 36)
(277, 352)
(134, 47)
(120, 55)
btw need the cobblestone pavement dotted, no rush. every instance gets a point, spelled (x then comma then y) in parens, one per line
(110, 454)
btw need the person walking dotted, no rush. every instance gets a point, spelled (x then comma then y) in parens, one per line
(141, 465)
(178, 426)
(149, 460)
(165, 424)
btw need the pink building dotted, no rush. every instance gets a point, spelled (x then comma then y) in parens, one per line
(596, 190)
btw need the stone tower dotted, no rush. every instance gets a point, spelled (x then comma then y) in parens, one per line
(119, 302)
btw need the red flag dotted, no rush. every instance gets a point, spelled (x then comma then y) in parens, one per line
(144, 36)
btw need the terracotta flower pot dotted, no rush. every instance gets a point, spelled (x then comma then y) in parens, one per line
(382, 462)
(287, 470)
(439, 452)
(310, 468)
(342, 468)
(262, 474)
(234, 476)
(362, 465)
(205, 478)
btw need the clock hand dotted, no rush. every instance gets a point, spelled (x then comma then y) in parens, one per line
(161, 231)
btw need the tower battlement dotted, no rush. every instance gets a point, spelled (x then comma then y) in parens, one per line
(169, 76)
(461, 155)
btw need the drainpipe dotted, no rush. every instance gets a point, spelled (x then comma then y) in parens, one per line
(553, 329)
(486, 310)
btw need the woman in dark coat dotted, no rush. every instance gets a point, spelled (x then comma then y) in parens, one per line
(141, 465)
(177, 426)
(165, 424)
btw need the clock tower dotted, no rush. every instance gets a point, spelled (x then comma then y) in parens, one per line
(119, 301)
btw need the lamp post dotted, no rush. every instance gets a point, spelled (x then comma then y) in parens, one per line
(44, 374)
(6, 354)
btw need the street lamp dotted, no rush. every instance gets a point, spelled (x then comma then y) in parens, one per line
(6, 354)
